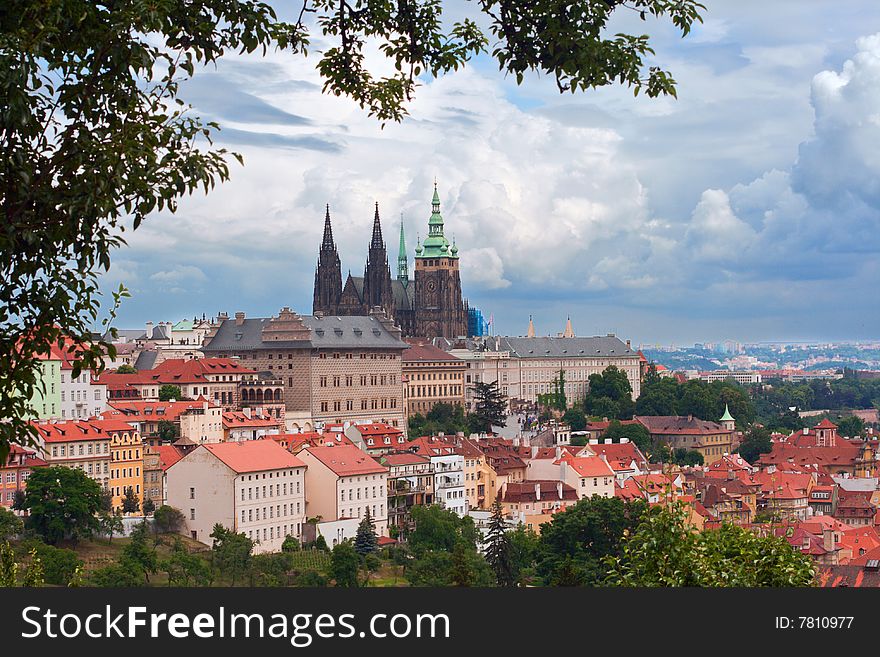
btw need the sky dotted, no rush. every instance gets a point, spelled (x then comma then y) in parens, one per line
(748, 208)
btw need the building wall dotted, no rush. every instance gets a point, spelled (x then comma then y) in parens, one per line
(79, 397)
(126, 465)
(449, 483)
(526, 378)
(270, 505)
(430, 383)
(203, 425)
(46, 400)
(211, 500)
(90, 456)
(358, 385)
(333, 497)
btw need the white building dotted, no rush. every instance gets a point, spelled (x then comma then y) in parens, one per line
(449, 483)
(344, 482)
(80, 398)
(256, 488)
(526, 367)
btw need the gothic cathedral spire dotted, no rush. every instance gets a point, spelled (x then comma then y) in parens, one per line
(328, 275)
(402, 261)
(377, 275)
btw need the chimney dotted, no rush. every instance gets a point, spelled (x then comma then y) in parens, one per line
(558, 451)
(608, 441)
(624, 441)
(537, 492)
(559, 489)
(247, 412)
(239, 318)
(628, 344)
(806, 431)
(828, 539)
(149, 330)
(690, 418)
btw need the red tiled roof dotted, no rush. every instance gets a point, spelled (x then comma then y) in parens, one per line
(237, 419)
(253, 455)
(588, 466)
(168, 455)
(422, 352)
(377, 428)
(61, 432)
(144, 410)
(346, 460)
(826, 424)
(524, 491)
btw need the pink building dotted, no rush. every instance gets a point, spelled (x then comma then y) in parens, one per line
(256, 488)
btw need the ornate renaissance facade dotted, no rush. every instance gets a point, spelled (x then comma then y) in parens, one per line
(430, 305)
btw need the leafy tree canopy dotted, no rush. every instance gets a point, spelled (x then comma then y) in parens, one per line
(666, 551)
(62, 503)
(97, 135)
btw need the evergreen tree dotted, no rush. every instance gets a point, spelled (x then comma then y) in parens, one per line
(130, 503)
(106, 500)
(498, 548)
(365, 541)
(490, 405)
(149, 506)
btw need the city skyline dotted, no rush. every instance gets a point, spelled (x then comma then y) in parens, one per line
(743, 210)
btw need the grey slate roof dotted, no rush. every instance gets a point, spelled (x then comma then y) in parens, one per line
(332, 331)
(596, 347)
(355, 332)
(146, 360)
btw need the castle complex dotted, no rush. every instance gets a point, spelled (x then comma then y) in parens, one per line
(430, 305)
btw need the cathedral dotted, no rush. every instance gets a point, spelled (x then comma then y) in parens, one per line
(430, 305)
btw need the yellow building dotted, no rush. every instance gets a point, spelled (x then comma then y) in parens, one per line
(126, 461)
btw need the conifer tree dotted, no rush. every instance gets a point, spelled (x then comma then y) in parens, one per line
(490, 405)
(130, 503)
(365, 541)
(498, 548)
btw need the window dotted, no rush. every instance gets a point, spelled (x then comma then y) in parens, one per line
(192, 493)
(192, 514)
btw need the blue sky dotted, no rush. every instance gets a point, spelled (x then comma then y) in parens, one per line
(748, 208)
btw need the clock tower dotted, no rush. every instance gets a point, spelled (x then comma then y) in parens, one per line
(440, 309)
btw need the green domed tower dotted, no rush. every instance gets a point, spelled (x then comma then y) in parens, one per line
(440, 310)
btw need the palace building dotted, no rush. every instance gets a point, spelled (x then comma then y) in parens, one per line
(430, 305)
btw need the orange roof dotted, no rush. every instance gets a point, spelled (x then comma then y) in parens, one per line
(377, 428)
(94, 429)
(168, 455)
(346, 460)
(826, 424)
(253, 455)
(588, 466)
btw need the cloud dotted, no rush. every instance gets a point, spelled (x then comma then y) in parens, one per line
(749, 198)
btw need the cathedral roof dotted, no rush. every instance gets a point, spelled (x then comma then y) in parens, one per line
(398, 290)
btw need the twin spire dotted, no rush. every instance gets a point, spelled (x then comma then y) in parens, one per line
(568, 333)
